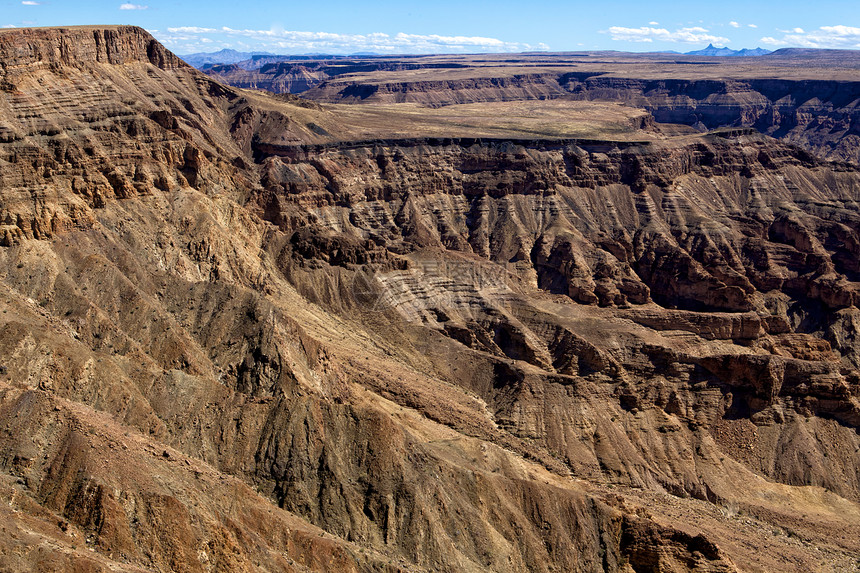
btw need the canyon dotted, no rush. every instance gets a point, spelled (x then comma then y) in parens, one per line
(806, 97)
(243, 331)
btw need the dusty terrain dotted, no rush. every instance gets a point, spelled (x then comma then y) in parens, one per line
(243, 332)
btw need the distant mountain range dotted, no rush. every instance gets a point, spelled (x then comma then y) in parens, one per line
(253, 60)
(226, 56)
(712, 50)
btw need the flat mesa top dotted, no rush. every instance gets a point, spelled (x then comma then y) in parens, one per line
(535, 119)
(70, 32)
(65, 28)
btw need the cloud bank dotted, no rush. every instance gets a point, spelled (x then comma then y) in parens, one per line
(188, 39)
(693, 35)
(845, 37)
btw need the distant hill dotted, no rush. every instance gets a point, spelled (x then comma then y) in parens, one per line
(254, 60)
(712, 50)
(225, 56)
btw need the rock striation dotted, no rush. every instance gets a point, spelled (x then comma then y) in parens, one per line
(819, 115)
(280, 74)
(229, 342)
(26, 48)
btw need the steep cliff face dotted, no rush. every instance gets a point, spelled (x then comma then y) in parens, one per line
(593, 217)
(227, 346)
(819, 115)
(441, 92)
(273, 74)
(24, 49)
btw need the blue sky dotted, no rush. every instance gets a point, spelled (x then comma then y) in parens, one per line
(340, 26)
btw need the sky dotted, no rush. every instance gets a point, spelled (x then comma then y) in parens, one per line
(458, 26)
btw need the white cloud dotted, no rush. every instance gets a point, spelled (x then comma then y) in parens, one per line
(692, 35)
(653, 23)
(133, 7)
(844, 37)
(187, 39)
(734, 24)
(191, 30)
(30, 3)
(8, 26)
(752, 26)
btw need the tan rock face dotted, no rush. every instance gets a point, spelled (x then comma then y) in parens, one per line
(227, 347)
(24, 49)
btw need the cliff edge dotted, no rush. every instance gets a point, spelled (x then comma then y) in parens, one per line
(81, 45)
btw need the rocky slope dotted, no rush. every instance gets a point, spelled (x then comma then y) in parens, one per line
(233, 342)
